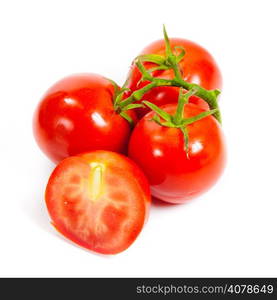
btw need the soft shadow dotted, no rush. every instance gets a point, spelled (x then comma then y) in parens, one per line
(159, 203)
(34, 205)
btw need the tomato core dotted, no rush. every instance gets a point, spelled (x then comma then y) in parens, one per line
(96, 181)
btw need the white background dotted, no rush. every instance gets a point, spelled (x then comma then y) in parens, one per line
(230, 231)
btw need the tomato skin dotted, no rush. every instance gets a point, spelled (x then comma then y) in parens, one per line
(197, 66)
(160, 152)
(111, 224)
(77, 115)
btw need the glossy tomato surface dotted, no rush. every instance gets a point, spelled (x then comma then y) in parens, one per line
(197, 66)
(176, 176)
(98, 200)
(77, 115)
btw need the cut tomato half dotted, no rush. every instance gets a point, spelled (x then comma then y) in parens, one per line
(99, 200)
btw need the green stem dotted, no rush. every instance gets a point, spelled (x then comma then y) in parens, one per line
(170, 58)
(202, 115)
(170, 61)
(168, 50)
(210, 96)
(183, 99)
(127, 118)
(137, 95)
(186, 139)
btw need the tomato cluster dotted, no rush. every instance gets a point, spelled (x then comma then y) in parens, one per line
(159, 135)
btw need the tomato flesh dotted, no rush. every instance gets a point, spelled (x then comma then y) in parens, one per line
(99, 200)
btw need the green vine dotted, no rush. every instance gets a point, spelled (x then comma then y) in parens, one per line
(178, 120)
(169, 61)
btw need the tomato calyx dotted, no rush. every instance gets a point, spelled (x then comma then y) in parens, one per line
(117, 99)
(122, 110)
(178, 120)
(171, 60)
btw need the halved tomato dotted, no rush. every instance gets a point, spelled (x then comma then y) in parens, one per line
(99, 200)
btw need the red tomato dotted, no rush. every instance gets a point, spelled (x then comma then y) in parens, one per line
(175, 175)
(197, 66)
(99, 200)
(77, 115)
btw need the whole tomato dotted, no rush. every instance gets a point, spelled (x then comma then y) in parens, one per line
(178, 171)
(197, 66)
(76, 115)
